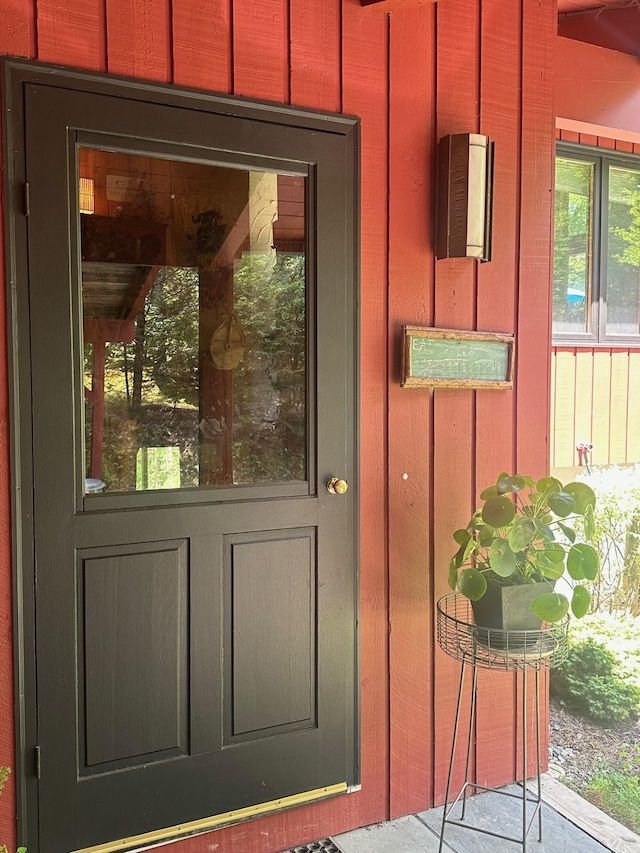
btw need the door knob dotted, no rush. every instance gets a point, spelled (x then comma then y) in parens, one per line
(337, 486)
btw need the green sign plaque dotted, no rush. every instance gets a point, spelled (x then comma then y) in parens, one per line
(452, 358)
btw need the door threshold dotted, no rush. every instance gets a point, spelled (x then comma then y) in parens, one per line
(196, 827)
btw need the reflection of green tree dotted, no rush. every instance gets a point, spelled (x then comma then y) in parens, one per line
(623, 251)
(171, 335)
(270, 382)
(572, 246)
(269, 385)
(574, 223)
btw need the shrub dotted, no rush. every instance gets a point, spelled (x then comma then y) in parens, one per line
(620, 635)
(589, 685)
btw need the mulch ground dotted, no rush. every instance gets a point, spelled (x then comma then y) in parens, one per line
(577, 747)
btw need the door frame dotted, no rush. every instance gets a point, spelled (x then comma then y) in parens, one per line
(16, 74)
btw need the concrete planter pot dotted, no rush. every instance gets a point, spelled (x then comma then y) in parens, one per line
(505, 609)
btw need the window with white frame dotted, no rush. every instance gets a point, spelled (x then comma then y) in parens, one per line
(596, 282)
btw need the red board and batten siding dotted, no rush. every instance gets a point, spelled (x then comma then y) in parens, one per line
(595, 392)
(412, 71)
(500, 118)
(411, 298)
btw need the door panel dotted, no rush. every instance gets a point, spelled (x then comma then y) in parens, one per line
(195, 609)
(134, 670)
(273, 635)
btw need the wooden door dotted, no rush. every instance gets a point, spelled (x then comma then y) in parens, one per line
(194, 578)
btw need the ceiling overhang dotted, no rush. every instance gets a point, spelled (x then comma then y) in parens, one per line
(614, 24)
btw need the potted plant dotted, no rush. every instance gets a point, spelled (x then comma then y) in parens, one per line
(518, 545)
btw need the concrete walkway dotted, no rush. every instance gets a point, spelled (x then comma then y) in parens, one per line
(569, 823)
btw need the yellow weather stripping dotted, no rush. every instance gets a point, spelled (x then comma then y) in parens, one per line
(196, 826)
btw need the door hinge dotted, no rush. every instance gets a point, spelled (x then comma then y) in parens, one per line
(37, 762)
(27, 199)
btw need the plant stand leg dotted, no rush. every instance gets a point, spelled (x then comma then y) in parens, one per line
(538, 755)
(446, 809)
(472, 719)
(524, 759)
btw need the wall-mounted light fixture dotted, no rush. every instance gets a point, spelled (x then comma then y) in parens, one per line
(87, 198)
(464, 196)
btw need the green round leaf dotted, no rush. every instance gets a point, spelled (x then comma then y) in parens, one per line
(562, 503)
(472, 583)
(498, 512)
(489, 492)
(501, 558)
(554, 552)
(548, 486)
(569, 532)
(522, 533)
(583, 495)
(486, 535)
(462, 536)
(453, 574)
(550, 607)
(544, 530)
(551, 571)
(580, 601)
(582, 562)
(507, 484)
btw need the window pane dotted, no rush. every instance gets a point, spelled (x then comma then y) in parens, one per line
(623, 252)
(194, 319)
(572, 271)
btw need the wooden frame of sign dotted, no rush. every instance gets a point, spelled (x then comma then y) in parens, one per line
(451, 358)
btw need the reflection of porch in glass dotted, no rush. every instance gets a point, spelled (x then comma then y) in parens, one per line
(114, 294)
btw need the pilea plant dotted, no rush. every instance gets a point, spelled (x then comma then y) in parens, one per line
(525, 533)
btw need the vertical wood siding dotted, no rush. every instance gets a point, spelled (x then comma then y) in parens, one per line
(501, 117)
(595, 398)
(595, 394)
(411, 297)
(412, 75)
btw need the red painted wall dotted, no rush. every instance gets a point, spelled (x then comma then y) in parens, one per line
(412, 74)
(597, 91)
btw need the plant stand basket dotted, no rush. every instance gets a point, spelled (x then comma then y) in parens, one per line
(521, 652)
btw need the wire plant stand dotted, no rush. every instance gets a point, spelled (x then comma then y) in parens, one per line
(522, 652)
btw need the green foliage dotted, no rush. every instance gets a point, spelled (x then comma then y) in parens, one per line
(620, 636)
(524, 534)
(5, 772)
(616, 793)
(589, 684)
(616, 537)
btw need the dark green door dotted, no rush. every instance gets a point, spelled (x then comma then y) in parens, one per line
(191, 347)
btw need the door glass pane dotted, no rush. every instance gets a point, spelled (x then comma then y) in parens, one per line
(623, 252)
(572, 270)
(194, 321)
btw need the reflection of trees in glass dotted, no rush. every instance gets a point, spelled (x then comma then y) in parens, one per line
(269, 391)
(171, 335)
(623, 251)
(151, 388)
(152, 384)
(572, 249)
(617, 227)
